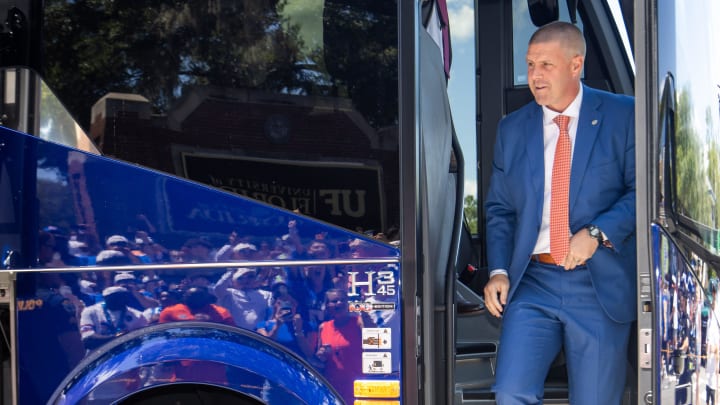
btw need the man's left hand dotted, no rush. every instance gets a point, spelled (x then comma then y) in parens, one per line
(582, 248)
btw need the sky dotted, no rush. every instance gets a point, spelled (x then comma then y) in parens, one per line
(461, 86)
(700, 70)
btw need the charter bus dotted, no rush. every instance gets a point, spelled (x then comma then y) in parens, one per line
(264, 201)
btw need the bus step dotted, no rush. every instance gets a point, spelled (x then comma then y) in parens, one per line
(475, 367)
(553, 396)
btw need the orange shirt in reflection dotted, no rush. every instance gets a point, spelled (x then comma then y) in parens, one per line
(189, 370)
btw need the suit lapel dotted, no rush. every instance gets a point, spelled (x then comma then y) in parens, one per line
(535, 150)
(588, 129)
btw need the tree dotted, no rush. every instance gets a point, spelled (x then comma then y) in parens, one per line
(158, 48)
(693, 200)
(471, 213)
(361, 55)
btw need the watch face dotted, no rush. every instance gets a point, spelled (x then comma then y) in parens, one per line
(594, 231)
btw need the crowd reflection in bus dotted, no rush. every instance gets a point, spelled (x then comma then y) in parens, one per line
(287, 304)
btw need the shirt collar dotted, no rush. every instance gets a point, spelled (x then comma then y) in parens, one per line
(573, 110)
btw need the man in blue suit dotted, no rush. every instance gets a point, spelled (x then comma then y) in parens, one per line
(580, 297)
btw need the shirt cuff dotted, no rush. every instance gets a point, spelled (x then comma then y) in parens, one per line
(498, 271)
(606, 242)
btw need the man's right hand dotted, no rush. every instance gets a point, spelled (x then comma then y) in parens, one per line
(496, 291)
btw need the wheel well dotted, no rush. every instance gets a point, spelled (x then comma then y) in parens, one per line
(188, 394)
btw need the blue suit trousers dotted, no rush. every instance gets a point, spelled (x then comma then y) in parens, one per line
(552, 309)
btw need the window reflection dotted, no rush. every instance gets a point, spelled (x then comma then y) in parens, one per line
(697, 117)
(294, 87)
(689, 329)
(90, 310)
(45, 117)
(180, 252)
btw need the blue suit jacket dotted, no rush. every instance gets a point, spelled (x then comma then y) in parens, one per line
(602, 192)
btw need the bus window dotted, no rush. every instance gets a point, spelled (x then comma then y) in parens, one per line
(462, 101)
(697, 119)
(523, 28)
(292, 103)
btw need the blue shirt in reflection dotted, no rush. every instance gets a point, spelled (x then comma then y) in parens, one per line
(285, 335)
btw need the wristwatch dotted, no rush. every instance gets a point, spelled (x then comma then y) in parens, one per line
(596, 233)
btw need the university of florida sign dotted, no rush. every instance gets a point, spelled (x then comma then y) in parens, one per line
(344, 194)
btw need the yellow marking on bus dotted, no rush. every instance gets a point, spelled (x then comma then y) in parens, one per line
(377, 389)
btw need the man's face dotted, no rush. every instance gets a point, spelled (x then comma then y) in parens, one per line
(176, 256)
(553, 75)
(318, 250)
(336, 304)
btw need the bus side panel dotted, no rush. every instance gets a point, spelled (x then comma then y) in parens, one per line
(83, 202)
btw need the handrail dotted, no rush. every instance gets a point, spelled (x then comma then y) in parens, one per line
(451, 272)
(206, 265)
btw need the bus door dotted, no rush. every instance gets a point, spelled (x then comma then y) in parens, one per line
(503, 30)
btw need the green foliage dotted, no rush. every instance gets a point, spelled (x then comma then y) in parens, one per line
(471, 213)
(160, 48)
(697, 169)
(157, 48)
(688, 159)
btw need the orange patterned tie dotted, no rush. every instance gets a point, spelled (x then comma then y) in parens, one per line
(559, 194)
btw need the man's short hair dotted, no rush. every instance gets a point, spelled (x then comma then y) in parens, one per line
(566, 33)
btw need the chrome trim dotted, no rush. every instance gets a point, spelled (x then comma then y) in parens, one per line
(213, 265)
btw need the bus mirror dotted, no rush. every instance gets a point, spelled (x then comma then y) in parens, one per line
(543, 11)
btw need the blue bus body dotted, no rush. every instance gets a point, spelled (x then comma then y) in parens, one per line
(111, 192)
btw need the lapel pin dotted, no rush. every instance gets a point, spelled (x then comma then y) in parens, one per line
(594, 122)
